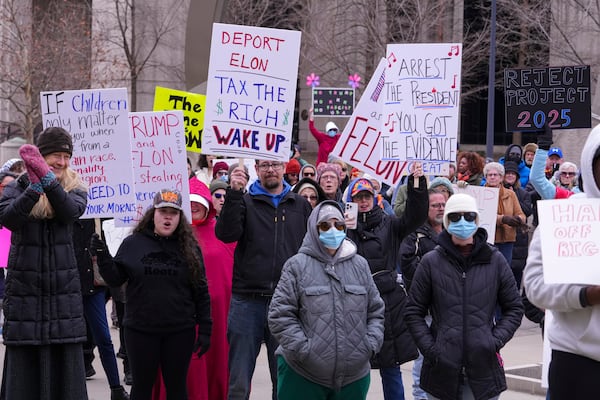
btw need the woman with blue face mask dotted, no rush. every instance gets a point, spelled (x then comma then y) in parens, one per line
(326, 314)
(460, 283)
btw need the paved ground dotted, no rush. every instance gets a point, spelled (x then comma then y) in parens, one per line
(524, 349)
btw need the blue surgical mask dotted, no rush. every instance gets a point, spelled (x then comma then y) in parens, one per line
(462, 229)
(332, 239)
(331, 133)
(224, 178)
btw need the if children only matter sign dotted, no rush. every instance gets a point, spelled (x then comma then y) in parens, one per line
(251, 92)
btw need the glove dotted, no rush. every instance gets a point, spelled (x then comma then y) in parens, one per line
(511, 220)
(97, 246)
(545, 139)
(462, 184)
(202, 344)
(37, 168)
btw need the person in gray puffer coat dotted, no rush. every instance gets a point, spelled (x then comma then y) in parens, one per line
(326, 314)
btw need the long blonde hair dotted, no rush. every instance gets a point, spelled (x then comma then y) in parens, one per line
(69, 180)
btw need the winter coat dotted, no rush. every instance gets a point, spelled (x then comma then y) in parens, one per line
(413, 248)
(508, 205)
(378, 237)
(521, 246)
(326, 312)
(461, 294)
(266, 235)
(43, 303)
(326, 142)
(160, 294)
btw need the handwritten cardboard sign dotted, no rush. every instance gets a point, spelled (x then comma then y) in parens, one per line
(333, 102)
(251, 91)
(192, 105)
(560, 96)
(570, 237)
(421, 104)
(359, 142)
(487, 205)
(159, 159)
(97, 121)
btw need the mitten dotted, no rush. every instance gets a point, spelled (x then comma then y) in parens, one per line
(545, 139)
(202, 344)
(36, 165)
(97, 246)
(462, 184)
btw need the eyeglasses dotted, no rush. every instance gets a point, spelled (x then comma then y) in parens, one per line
(492, 174)
(567, 173)
(438, 206)
(469, 216)
(275, 165)
(310, 197)
(362, 196)
(326, 225)
(328, 178)
(222, 173)
(219, 195)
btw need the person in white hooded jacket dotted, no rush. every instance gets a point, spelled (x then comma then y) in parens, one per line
(574, 333)
(326, 314)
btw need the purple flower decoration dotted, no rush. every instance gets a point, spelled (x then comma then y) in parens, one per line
(354, 81)
(312, 80)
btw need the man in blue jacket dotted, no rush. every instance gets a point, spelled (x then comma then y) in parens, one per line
(268, 223)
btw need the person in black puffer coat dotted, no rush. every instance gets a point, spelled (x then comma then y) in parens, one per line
(460, 283)
(378, 237)
(521, 247)
(44, 326)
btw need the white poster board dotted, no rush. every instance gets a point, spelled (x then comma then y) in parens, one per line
(97, 121)
(421, 109)
(570, 235)
(358, 144)
(487, 205)
(159, 159)
(251, 92)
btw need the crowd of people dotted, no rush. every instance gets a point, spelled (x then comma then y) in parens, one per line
(277, 261)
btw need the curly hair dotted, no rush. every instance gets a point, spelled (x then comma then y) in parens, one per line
(187, 244)
(474, 161)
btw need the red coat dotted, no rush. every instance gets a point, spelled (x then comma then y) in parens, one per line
(326, 142)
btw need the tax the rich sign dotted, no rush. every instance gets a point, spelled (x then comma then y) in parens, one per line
(421, 104)
(251, 92)
(559, 96)
(97, 122)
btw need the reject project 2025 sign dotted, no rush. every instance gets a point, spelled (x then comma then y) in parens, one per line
(559, 96)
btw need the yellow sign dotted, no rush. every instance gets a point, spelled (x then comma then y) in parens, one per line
(192, 105)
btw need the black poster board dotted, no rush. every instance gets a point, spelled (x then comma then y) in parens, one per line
(333, 102)
(559, 96)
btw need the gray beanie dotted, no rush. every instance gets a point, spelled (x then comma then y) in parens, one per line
(329, 211)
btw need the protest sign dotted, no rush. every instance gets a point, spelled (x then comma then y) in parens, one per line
(570, 238)
(159, 159)
(358, 143)
(333, 102)
(192, 105)
(97, 122)
(560, 96)
(487, 205)
(251, 92)
(421, 104)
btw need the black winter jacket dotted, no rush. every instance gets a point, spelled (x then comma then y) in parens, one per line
(462, 294)
(266, 237)
(83, 229)
(378, 237)
(42, 303)
(160, 294)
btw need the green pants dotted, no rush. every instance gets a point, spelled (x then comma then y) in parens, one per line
(292, 386)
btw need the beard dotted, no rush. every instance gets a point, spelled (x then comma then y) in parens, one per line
(271, 183)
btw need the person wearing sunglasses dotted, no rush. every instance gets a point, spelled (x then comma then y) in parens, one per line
(268, 222)
(308, 171)
(326, 314)
(378, 237)
(566, 177)
(218, 189)
(459, 284)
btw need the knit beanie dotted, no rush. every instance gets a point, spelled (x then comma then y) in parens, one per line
(324, 167)
(54, 140)
(328, 211)
(460, 202)
(216, 185)
(511, 166)
(293, 167)
(441, 181)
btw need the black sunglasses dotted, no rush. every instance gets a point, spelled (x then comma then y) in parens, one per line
(325, 226)
(469, 216)
(219, 195)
